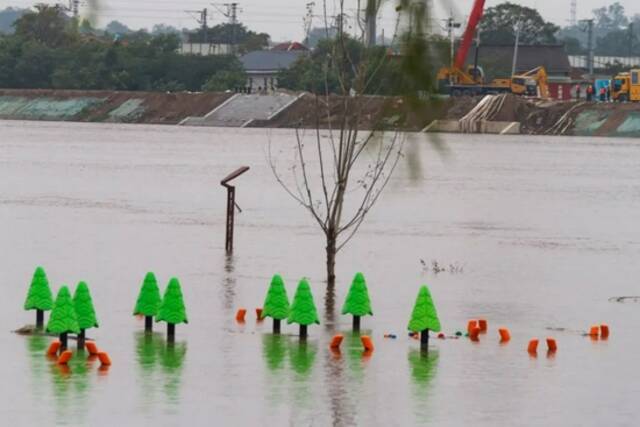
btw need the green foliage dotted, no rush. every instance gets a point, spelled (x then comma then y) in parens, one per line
(47, 25)
(83, 305)
(63, 316)
(276, 304)
(358, 302)
(245, 39)
(172, 309)
(499, 22)
(224, 80)
(149, 299)
(303, 309)
(39, 296)
(7, 17)
(424, 315)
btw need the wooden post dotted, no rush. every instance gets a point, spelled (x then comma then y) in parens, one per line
(303, 332)
(276, 326)
(424, 339)
(356, 323)
(81, 340)
(63, 342)
(231, 205)
(148, 323)
(171, 332)
(39, 319)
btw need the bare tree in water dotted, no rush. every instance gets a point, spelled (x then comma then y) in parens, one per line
(341, 170)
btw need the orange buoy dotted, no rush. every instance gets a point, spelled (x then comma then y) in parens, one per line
(595, 331)
(472, 324)
(240, 315)
(482, 324)
(65, 357)
(336, 341)
(475, 334)
(552, 345)
(259, 314)
(104, 358)
(533, 346)
(367, 343)
(91, 347)
(505, 336)
(604, 331)
(53, 348)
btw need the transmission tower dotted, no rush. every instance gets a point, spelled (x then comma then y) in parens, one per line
(573, 13)
(231, 12)
(201, 17)
(308, 20)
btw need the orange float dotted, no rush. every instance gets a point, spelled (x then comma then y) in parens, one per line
(53, 348)
(505, 336)
(482, 324)
(474, 335)
(104, 358)
(604, 331)
(552, 346)
(259, 314)
(533, 346)
(91, 347)
(336, 341)
(240, 315)
(471, 324)
(65, 357)
(367, 343)
(594, 332)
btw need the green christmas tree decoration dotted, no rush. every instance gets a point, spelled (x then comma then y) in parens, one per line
(303, 309)
(85, 312)
(276, 304)
(149, 300)
(357, 303)
(63, 318)
(424, 317)
(39, 297)
(172, 309)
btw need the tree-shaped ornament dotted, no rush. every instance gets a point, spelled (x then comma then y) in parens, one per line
(149, 301)
(63, 319)
(172, 309)
(86, 314)
(424, 317)
(303, 309)
(276, 304)
(357, 303)
(39, 297)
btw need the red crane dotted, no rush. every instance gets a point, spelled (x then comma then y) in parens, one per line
(467, 39)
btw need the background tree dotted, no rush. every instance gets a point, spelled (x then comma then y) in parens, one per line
(47, 25)
(610, 18)
(149, 300)
(63, 318)
(303, 309)
(7, 17)
(223, 80)
(172, 309)
(424, 316)
(276, 304)
(39, 296)
(85, 312)
(498, 25)
(357, 302)
(117, 28)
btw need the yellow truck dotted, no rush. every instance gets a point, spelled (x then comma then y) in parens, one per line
(626, 86)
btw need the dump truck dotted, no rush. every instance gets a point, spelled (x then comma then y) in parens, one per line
(626, 86)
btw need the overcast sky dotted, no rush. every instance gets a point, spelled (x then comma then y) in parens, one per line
(283, 18)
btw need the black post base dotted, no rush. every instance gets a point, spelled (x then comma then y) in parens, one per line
(424, 339)
(63, 342)
(81, 340)
(356, 323)
(171, 332)
(303, 332)
(276, 326)
(148, 323)
(39, 319)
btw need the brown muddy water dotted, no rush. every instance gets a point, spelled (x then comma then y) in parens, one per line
(545, 231)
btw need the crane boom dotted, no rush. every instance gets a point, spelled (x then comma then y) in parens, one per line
(472, 25)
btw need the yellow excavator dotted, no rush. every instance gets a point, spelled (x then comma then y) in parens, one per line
(531, 82)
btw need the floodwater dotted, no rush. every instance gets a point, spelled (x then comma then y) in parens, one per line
(542, 232)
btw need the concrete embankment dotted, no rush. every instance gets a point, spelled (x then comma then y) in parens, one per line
(501, 114)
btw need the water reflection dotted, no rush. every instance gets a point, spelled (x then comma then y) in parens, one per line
(153, 352)
(423, 366)
(228, 283)
(71, 387)
(330, 308)
(342, 408)
(274, 351)
(302, 355)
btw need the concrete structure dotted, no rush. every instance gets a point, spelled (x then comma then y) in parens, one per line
(263, 66)
(603, 62)
(205, 49)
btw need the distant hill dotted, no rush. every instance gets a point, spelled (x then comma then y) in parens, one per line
(8, 16)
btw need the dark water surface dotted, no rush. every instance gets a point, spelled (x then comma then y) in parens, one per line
(545, 229)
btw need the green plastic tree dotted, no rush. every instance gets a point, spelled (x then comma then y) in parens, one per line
(276, 304)
(303, 309)
(172, 309)
(39, 297)
(357, 303)
(149, 300)
(63, 318)
(424, 317)
(86, 314)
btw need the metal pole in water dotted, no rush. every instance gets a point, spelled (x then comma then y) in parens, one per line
(231, 205)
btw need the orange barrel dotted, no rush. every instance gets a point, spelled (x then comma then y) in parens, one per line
(482, 324)
(53, 348)
(240, 315)
(604, 331)
(552, 345)
(533, 346)
(367, 343)
(65, 357)
(595, 331)
(472, 324)
(505, 336)
(474, 335)
(336, 341)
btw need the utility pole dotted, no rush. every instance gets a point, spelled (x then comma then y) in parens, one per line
(451, 25)
(515, 48)
(590, 46)
(371, 15)
(308, 20)
(202, 19)
(630, 39)
(232, 14)
(573, 13)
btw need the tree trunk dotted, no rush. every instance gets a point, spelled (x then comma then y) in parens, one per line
(331, 259)
(81, 340)
(63, 342)
(148, 323)
(303, 332)
(39, 319)
(276, 326)
(171, 332)
(424, 340)
(356, 323)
